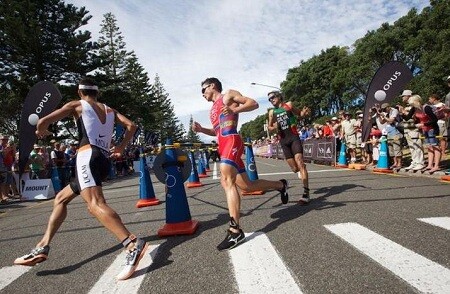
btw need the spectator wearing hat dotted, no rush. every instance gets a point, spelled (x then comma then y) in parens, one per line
(391, 117)
(411, 132)
(348, 134)
(36, 163)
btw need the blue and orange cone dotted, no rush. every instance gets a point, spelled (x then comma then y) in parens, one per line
(342, 160)
(178, 216)
(250, 167)
(55, 180)
(205, 159)
(193, 180)
(201, 167)
(146, 191)
(383, 160)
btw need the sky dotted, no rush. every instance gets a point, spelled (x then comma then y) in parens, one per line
(240, 42)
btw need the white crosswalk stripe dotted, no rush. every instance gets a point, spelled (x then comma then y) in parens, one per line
(420, 272)
(442, 222)
(108, 282)
(10, 273)
(258, 267)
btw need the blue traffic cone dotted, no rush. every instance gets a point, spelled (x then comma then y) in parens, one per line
(193, 180)
(383, 159)
(146, 191)
(178, 216)
(205, 160)
(250, 167)
(342, 161)
(112, 170)
(55, 180)
(201, 167)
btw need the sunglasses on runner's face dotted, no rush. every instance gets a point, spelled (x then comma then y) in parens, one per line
(271, 98)
(204, 89)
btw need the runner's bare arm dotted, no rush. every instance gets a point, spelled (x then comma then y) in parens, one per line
(237, 103)
(272, 125)
(196, 127)
(130, 129)
(67, 110)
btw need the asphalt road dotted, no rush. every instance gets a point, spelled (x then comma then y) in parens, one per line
(362, 233)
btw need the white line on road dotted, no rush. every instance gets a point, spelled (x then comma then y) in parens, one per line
(420, 272)
(215, 172)
(265, 163)
(10, 273)
(258, 267)
(108, 282)
(443, 222)
(309, 172)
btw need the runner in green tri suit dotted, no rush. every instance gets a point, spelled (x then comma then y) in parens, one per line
(283, 119)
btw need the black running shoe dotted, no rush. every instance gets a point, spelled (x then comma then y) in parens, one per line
(305, 198)
(283, 192)
(231, 240)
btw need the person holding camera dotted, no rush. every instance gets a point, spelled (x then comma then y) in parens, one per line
(391, 117)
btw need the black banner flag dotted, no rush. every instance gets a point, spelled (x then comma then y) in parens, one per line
(386, 84)
(41, 100)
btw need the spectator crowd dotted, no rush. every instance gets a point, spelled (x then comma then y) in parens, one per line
(417, 133)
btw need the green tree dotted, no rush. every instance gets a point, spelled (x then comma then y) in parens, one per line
(254, 129)
(40, 40)
(191, 135)
(166, 123)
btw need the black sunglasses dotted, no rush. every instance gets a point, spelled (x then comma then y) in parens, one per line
(204, 89)
(271, 98)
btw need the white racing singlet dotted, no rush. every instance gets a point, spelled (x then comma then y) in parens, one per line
(92, 161)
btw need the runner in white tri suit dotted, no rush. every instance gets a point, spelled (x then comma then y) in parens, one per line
(95, 123)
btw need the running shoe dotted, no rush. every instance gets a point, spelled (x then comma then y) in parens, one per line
(283, 192)
(37, 255)
(304, 200)
(231, 240)
(305, 197)
(132, 259)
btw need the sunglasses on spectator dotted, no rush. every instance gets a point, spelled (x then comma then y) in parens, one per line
(204, 89)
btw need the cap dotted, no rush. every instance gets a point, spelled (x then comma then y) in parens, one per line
(384, 105)
(346, 113)
(406, 93)
(360, 115)
(448, 78)
(334, 118)
(359, 111)
(36, 146)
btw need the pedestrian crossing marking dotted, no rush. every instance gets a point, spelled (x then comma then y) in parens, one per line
(108, 282)
(259, 268)
(442, 222)
(420, 272)
(10, 273)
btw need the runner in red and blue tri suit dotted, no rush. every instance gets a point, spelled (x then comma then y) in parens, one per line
(224, 116)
